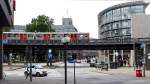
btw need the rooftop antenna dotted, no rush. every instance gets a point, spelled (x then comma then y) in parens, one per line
(67, 14)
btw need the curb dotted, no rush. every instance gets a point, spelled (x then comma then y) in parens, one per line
(72, 66)
(111, 73)
(102, 72)
(15, 69)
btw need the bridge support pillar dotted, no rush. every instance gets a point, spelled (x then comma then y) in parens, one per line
(114, 58)
(100, 55)
(108, 60)
(132, 58)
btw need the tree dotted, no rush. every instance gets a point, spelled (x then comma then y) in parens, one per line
(40, 24)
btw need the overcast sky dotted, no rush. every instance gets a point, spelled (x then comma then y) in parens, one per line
(83, 12)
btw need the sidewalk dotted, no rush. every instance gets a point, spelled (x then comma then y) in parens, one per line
(12, 67)
(61, 64)
(56, 64)
(128, 71)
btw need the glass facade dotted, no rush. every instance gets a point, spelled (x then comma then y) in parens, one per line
(116, 22)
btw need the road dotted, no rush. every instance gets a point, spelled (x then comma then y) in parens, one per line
(83, 76)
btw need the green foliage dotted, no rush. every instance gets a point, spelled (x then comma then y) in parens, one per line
(40, 24)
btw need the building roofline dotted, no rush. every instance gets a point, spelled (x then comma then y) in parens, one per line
(123, 5)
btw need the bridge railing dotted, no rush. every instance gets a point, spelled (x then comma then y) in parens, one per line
(142, 40)
(43, 42)
(79, 42)
(111, 41)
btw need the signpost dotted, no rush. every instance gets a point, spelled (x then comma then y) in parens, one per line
(30, 54)
(74, 58)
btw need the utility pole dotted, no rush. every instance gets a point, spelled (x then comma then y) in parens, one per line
(30, 48)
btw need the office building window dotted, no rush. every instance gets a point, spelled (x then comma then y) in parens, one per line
(125, 13)
(125, 24)
(137, 9)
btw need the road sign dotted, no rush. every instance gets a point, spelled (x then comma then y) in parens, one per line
(49, 51)
(142, 45)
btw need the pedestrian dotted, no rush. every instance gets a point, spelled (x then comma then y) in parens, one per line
(94, 59)
(128, 62)
(26, 74)
(88, 60)
(4, 75)
(124, 62)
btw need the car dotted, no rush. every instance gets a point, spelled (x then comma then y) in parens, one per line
(92, 64)
(37, 70)
(70, 59)
(98, 65)
(78, 61)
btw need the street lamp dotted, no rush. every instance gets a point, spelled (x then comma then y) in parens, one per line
(28, 52)
(65, 41)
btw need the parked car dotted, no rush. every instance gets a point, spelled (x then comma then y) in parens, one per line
(98, 65)
(102, 66)
(70, 59)
(92, 64)
(37, 70)
(78, 61)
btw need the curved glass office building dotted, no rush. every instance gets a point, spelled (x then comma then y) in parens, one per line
(115, 22)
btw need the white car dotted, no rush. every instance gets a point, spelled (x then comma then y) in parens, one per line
(37, 70)
(78, 61)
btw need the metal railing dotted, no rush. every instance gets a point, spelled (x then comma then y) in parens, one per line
(80, 42)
